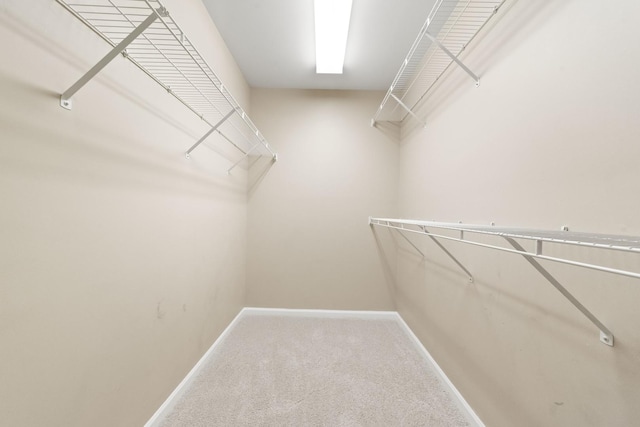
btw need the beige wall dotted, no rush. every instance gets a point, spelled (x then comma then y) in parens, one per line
(549, 138)
(120, 261)
(309, 243)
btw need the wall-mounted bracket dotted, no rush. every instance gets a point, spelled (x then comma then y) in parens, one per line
(606, 338)
(66, 103)
(449, 254)
(610, 242)
(65, 98)
(453, 57)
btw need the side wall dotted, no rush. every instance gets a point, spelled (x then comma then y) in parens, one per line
(120, 261)
(550, 138)
(309, 242)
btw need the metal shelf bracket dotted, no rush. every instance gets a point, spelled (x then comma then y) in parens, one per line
(410, 242)
(464, 233)
(449, 254)
(65, 98)
(606, 336)
(453, 57)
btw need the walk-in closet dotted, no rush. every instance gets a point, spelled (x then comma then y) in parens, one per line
(211, 215)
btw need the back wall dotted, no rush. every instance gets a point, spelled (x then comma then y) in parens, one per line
(308, 239)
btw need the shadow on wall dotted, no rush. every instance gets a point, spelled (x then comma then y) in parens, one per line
(22, 30)
(389, 129)
(259, 166)
(513, 28)
(572, 330)
(388, 261)
(44, 151)
(467, 364)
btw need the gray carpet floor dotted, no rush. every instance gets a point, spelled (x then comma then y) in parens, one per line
(275, 370)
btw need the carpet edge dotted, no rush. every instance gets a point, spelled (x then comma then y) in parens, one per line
(460, 401)
(170, 401)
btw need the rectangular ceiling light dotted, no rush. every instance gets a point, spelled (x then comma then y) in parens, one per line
(332, 28)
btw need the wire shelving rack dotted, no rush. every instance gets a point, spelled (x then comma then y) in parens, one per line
(144, 32)
(468, 234)
(449, 28)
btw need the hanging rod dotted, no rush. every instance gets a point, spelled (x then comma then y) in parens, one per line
(144, 32)
(464, 233)
(449, 28)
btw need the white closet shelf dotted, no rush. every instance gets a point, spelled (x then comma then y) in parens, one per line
(449, 28)
(467, 233)
(144, 32)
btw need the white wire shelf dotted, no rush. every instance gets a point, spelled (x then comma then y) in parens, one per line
(449, 28)
(602, 241)
(467, 233)
(144, 32)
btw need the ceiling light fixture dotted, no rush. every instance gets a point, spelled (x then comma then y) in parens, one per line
(332, 28)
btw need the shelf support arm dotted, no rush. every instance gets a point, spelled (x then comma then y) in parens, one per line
(410, 242)
(458, 263)
(453, 57)
(606, 336)
(65, 98)
(408, 110)
(209, 132)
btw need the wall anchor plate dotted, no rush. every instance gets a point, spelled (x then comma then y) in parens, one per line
(66, 103)
(606, 339)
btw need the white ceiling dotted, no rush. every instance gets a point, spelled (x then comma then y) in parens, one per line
(273, 41)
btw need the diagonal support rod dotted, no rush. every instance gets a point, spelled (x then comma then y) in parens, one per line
(453, 57)
(410, 242)
(408, 110)
(449, 254)
(65, 98)
(209, 132)
(605, 334)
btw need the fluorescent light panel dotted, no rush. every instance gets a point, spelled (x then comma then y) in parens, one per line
(332, 28)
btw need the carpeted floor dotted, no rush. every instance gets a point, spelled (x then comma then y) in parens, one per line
(275, 370)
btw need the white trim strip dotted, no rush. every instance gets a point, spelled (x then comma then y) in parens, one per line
(167, 405)
(464, 406)
(303, 312)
